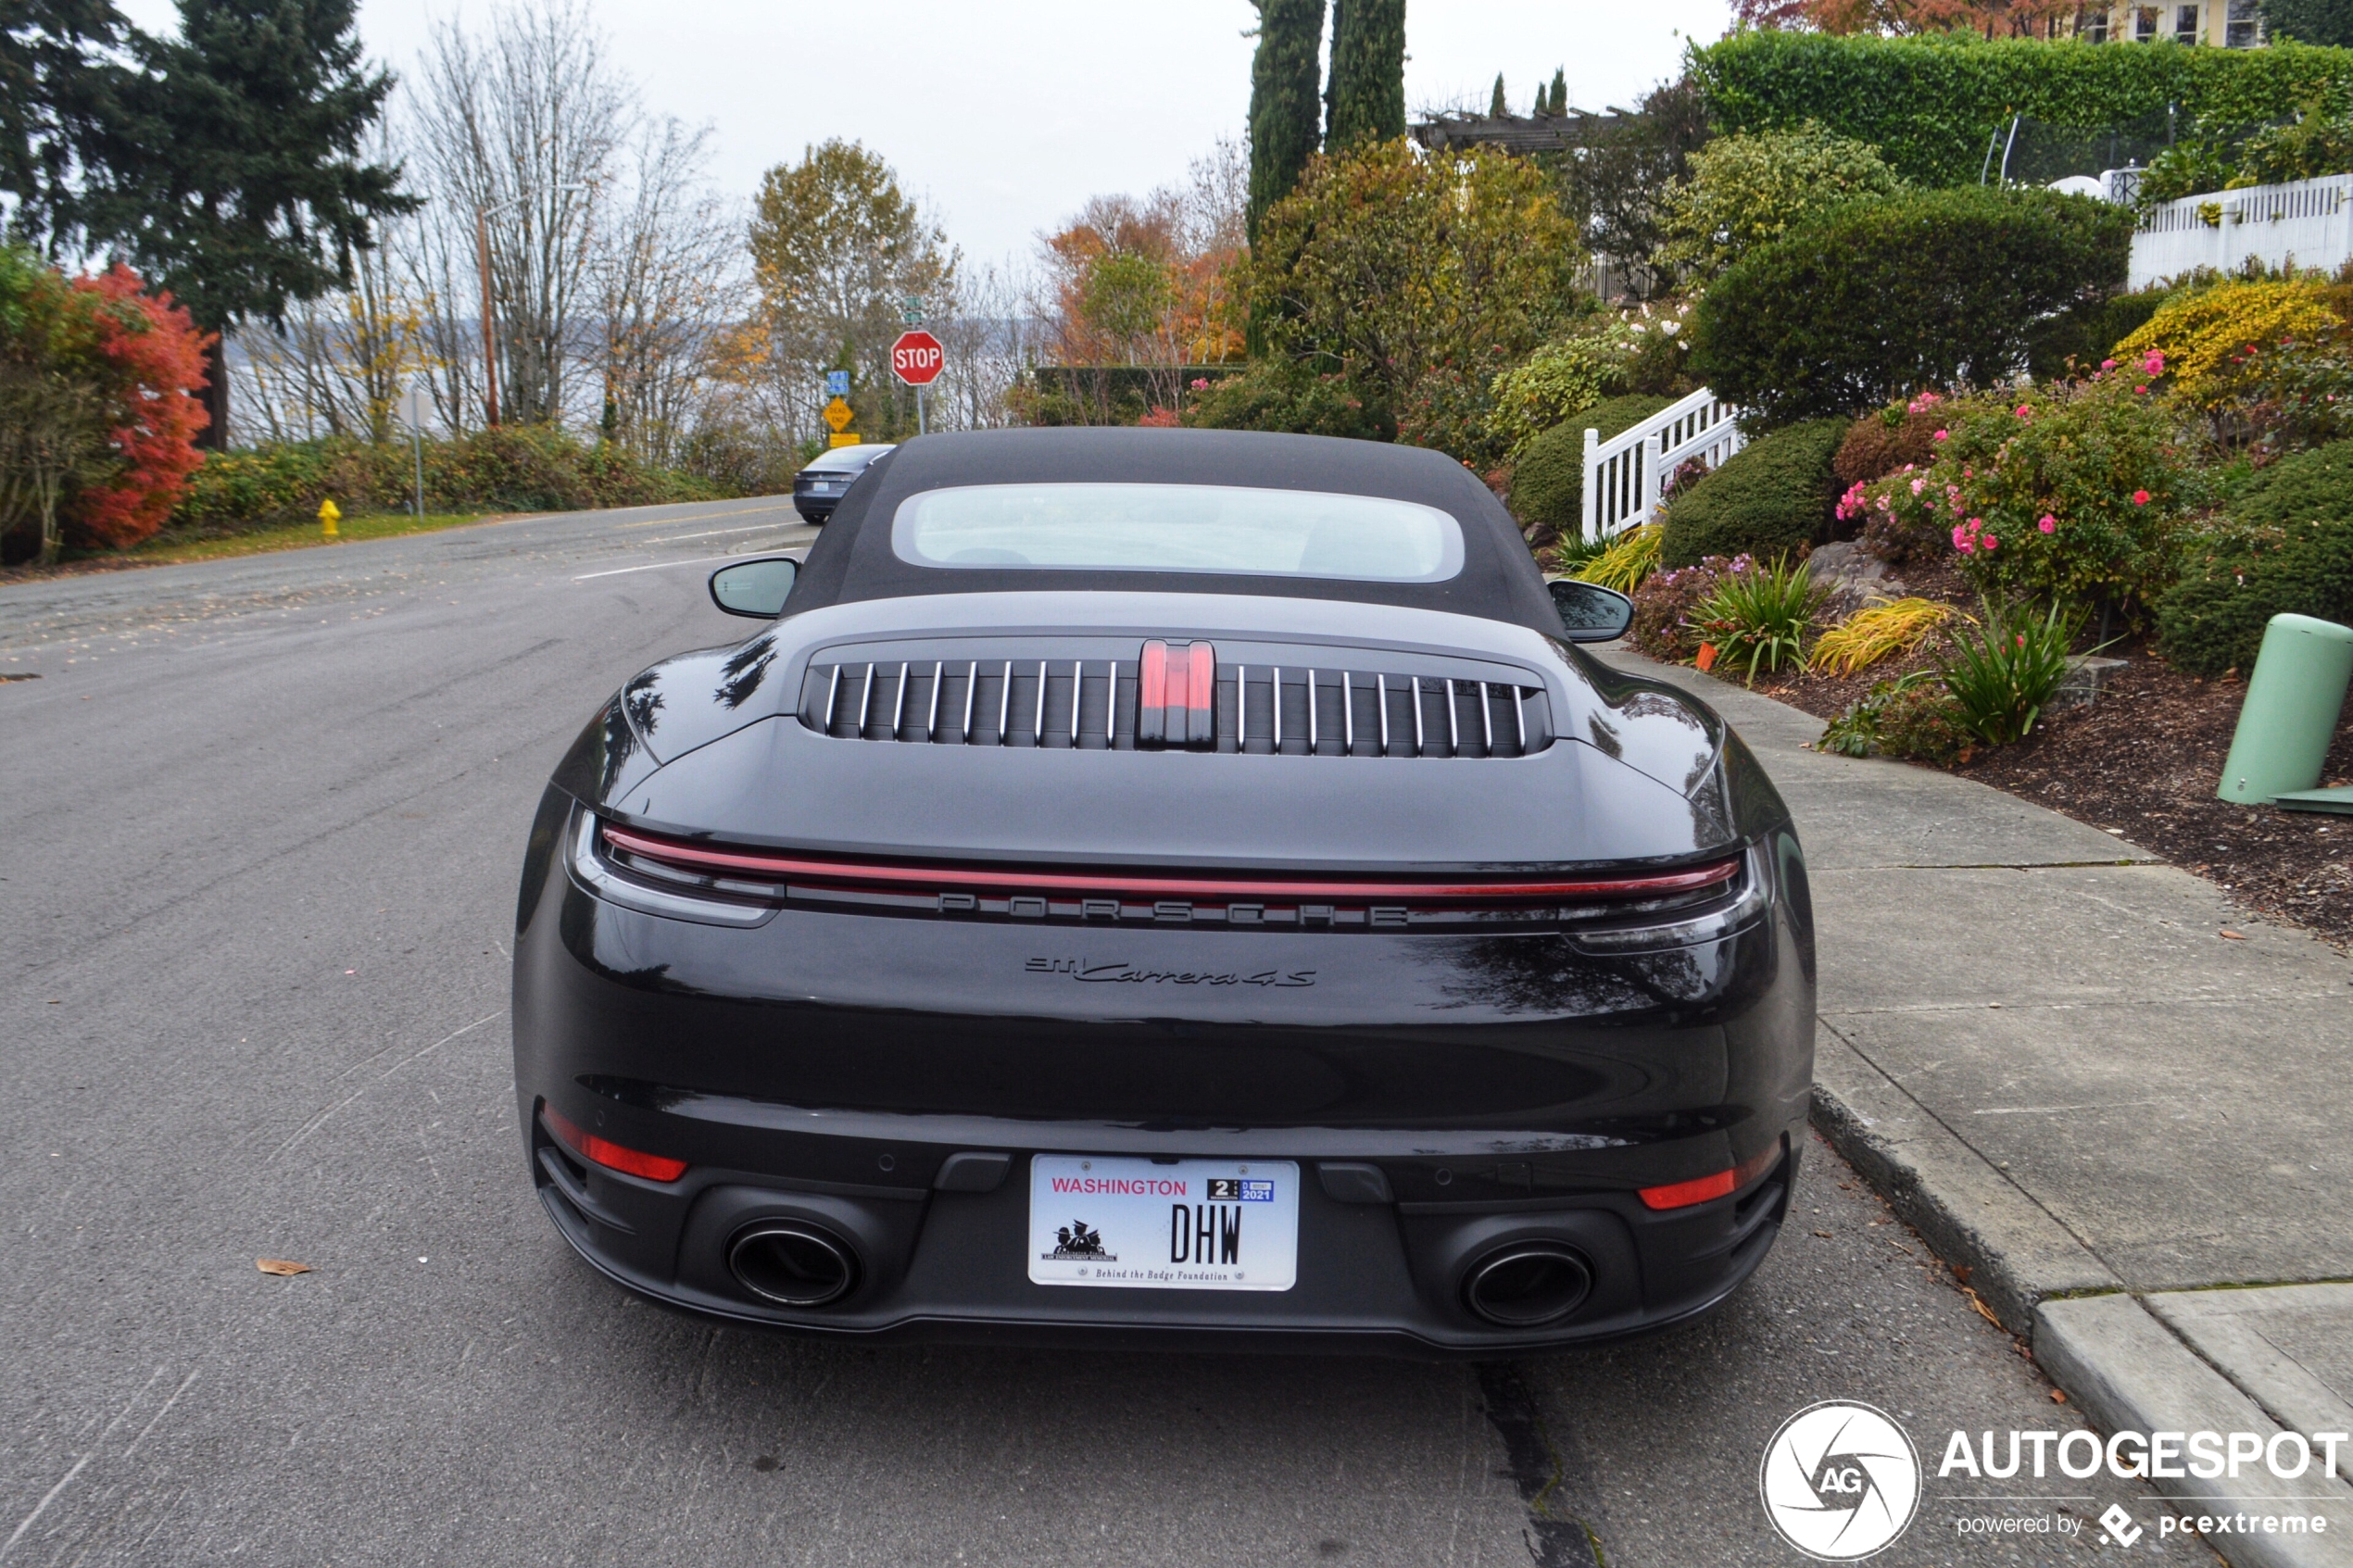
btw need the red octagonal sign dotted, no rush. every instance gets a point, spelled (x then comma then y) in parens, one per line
(916, 358)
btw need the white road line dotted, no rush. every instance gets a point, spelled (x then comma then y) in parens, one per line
(778, 505)
(715, 533)
(651, 566)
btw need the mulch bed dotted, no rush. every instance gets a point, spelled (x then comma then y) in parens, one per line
(2145, 758)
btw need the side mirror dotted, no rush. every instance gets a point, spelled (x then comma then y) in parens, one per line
(1589, 613)
(754, 587)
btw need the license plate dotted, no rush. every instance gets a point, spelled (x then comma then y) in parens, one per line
(1194, 1224)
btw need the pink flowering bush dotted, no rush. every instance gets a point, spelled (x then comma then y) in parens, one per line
(2072, 493)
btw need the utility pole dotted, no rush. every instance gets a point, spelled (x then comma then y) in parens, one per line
(481, 260)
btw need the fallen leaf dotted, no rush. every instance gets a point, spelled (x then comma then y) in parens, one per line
(1983, 1309)
(1824, 1235)
(280, 1266)
(2058, 1396)
(1961, 1273)
(2233, 936)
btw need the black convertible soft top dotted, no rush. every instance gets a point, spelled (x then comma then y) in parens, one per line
(853, 559)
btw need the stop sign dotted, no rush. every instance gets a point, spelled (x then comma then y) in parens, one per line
(916, 358)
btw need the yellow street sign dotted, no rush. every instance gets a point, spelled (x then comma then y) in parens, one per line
(841, 440)
(327, 513)
(838, 415)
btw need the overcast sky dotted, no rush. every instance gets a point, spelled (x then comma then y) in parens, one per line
(1007, 115)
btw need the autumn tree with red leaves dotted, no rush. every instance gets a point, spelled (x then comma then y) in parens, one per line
(154, 359)
(99, 407)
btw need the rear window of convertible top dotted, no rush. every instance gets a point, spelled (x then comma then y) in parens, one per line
(1178, 528)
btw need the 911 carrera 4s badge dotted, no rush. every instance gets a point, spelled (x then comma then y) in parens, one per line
(1189, 1224)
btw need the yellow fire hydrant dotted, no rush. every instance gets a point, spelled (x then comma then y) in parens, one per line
(327, 515)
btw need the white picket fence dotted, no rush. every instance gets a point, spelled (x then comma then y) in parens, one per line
(1623, 474)
(2307, 222)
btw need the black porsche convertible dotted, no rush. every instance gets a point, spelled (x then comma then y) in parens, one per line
(1168, 887)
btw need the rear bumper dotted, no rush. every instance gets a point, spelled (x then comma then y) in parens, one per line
(1445, 1097)
(1374, 1277)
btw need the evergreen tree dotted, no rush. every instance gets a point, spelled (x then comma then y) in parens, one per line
(2309, 21)
(232, 169)
(1560, 90)
(52, 94)
(1282, 100)
(1366, 101)
(1496, 107)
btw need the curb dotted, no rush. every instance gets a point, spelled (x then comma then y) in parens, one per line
(2129, 1373)
(2009, 1251)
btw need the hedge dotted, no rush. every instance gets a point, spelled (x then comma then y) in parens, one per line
(1931, 103)
(1548, 483)
(510, 468)
(2294, 555)
(1879, 299)
(1771, 499)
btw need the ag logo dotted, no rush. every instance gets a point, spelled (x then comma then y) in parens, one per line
(1840, 1481)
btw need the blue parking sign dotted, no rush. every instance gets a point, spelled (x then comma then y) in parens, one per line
(837, 383)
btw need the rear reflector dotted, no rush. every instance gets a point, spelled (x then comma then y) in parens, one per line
(1705, 1189)
(601, 1151)
(713, 860)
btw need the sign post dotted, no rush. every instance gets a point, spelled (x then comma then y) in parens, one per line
(917, 358)
(412, 414)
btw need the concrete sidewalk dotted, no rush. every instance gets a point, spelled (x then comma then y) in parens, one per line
(2108, 1116)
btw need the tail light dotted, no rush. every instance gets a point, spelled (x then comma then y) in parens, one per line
(1707, 1190)
(610, 1154)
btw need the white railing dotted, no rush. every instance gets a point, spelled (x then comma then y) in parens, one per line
(2307, 222)
(1625, 474)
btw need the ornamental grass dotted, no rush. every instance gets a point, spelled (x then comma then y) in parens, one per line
(1877, 631)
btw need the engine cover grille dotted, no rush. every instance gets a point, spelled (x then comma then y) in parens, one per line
(1267, 698)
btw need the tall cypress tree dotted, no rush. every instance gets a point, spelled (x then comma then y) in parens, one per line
(1560, 91)
(1496, 107)
(233, 172)
(1367, 98)
(1282, 100)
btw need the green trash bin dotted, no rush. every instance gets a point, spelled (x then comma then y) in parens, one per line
(2290, 714)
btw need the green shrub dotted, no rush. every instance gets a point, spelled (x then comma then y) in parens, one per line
(1559, 381)
(1929, 103)
(1879, 298)
(1911, 716)
(1275, 395)
(2087, 334)
(1771, 499)
(1759, 620)
(2290, 550)
(2003, 672)
(1548, 485)
(1748, 189)
(510, 468)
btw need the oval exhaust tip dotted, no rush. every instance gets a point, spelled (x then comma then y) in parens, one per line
(1527, 1284)
(792, 1264)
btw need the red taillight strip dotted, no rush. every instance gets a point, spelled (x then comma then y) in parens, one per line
(604, 1152)
(697, 857)
(1707, 1190)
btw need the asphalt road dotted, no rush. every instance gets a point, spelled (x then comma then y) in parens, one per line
(256, 879)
